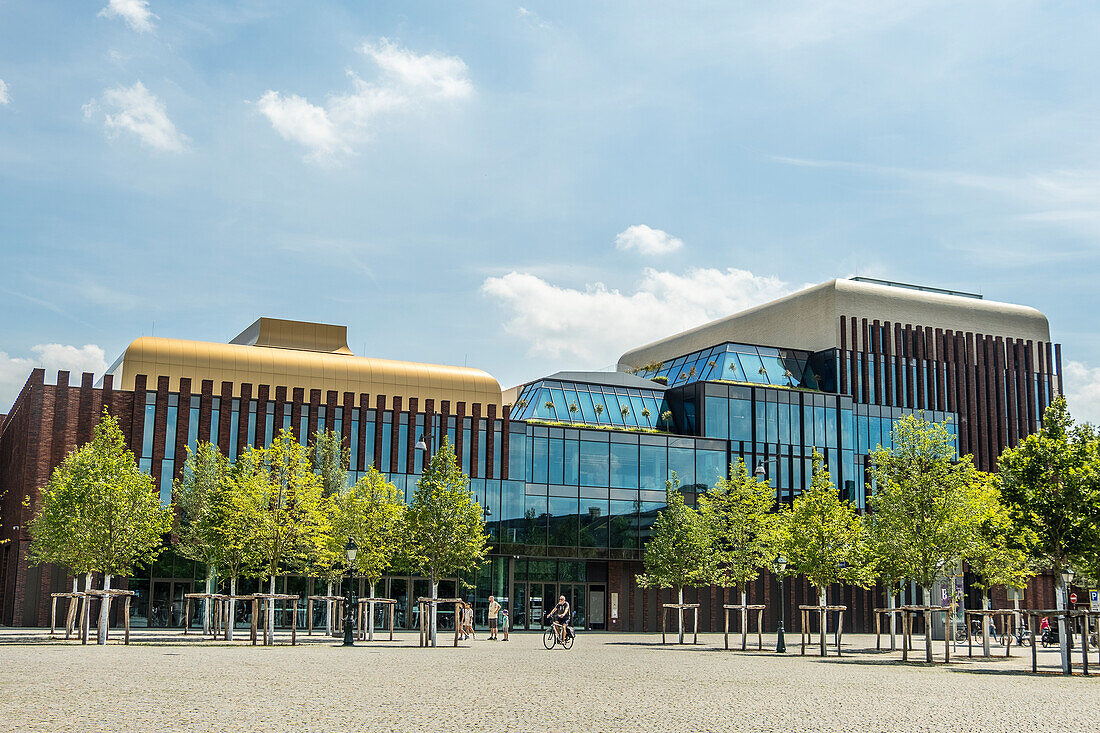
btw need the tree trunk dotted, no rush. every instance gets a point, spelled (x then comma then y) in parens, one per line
(70, 615)
(231, 621)
(370, 613)
(985, 622)
(330, 607)
(1063, 627)
(822, 601)
(680, 615)
(927, 631)
(891, 603)
(104, 612)
(744, 620)
(206, 601)
(269, 623)
(432, 613)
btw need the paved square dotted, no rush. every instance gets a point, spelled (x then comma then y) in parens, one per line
(607, 682)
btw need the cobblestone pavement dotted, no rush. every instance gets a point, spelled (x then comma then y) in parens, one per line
(607, 682)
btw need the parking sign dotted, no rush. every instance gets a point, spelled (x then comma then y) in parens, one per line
(1094, 600)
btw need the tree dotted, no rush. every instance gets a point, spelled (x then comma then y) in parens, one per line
(203, 476)
(292, 521)
(679, 550)
(100, 502)
(1051, 486)
(331, 459)
(444, 532)
(823, 537)
(738, 513)
(371, 514)
(233, 514)
(998, 554)
(928, 506)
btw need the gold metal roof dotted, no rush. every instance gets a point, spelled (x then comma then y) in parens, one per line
(293, 367)
(301, 335)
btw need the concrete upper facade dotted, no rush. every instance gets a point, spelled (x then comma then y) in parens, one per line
(298, 354)
(810, 319)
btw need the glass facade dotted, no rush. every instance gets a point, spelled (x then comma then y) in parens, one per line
(742, 363)
(591, 404)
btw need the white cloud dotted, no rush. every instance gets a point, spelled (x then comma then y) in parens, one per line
(76, 360)
(1082, 385)
(533, 18)
(137, 110)
(405, 82)
(647, 241)
(136, 13)
(5, 97)
(598, 324)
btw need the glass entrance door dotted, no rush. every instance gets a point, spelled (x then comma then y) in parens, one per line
(166, 602)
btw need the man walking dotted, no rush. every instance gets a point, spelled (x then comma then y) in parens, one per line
(494, 613)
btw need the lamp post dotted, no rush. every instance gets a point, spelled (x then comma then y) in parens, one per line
(349, 597)
(781, 642)
(1064, 632)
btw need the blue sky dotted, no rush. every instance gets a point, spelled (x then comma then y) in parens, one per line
(525, 188)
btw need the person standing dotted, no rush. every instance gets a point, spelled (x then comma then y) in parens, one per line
(494, 612)
(504, 623)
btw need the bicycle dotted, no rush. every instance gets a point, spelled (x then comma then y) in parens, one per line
(550, 638)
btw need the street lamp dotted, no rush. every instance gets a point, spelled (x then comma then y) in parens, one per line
(1067, 578)
(781, 642)
(349, 598)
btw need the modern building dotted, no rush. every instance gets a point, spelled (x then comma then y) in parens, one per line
(570, 468)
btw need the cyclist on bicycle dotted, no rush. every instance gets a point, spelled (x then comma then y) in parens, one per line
(559, 617)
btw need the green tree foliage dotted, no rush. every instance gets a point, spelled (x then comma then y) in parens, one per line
(292, 524)
(1051, 484)
(331, 459)
(738, 512)
(444, 529)
(928, 506)
(372, 514)
(999, 554)
(679, 551)
(99, 512)
(204, 474)
(822, 536)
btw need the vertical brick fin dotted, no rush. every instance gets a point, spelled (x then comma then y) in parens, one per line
(979, 420)
(225, 417)
(992, 431)
(314, 404)
(429, 419)
(490, 439)
(941, 371)
(843, 356)
(1002, 395)
(1040, 386)
(108, 399)
(86, 408)
(137, 419)
(968, 393)
(899, 361)
(1029, 386)
(864, 368)
(1049, 347)
(887, 364)
(348, 407)
(183, 424)
(160, 430)
(263, 397)
(206, 406)
(460, 416)
(1011, 393)
(379, 416)
(1021, 391)
(854, 360)
(475, 439)
(395, 434)
(242, 437)
(297, 399)
(876, 348)
(280, 407)
(364, 413)
(59, 444)
(907, 354)
(506, 421)
(410, 449)
(922, 398)
(1058, 366)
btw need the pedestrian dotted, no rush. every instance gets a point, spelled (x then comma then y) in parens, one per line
(504, 623)
(494, 612)
(468, 618)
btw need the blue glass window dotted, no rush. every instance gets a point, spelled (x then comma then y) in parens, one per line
(539, 457)
(622, 525)
(594, 519)
(740, 420)
(716, 418)
(572, 463)
(563, 524)
(516, 454)
(624, 466)
(594, 463)
(653, 467)
(555, 461)
(682, 461)
(710, 466)
(534, 520)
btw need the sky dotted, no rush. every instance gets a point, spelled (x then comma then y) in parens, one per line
(529, 188)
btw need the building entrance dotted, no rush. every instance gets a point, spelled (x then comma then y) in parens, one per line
(166, 602)
(586, 601)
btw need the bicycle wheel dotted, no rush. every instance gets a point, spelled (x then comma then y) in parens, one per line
(568, 642)
(549, 638)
